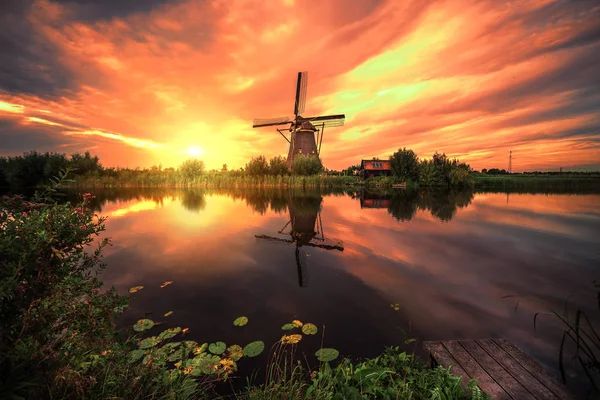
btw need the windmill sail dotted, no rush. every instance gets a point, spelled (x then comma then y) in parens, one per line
(300, 92)
(259, 122)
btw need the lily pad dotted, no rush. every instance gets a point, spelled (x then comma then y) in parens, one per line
(297, 323)
(253, 349)
(209, 365)
(288, 327)
(235, 352)
(135, 289)
(168, 313)
(143, 325)
(176, 356)
(327, 354)
(150, 342)
(169, 333)
(135, 355)
(291, 339)
(217, 348)
(240, 321)
(309, 329)
(201, 349)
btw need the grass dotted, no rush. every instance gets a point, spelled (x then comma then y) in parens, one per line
(548, 182)
(392, 375)
(218, 180)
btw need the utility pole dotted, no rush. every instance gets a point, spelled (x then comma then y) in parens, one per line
(510, 163)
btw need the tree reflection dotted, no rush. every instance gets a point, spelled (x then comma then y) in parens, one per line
(404, 204)
(193, 200)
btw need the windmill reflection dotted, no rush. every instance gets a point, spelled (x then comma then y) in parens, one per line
(304, 228)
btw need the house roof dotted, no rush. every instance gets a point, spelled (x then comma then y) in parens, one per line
(367, 164)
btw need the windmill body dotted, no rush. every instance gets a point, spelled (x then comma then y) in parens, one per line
(306, 133)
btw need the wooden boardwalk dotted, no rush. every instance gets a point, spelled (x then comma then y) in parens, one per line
(501, 369)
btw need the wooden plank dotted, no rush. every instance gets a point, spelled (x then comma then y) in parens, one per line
(513, 367)
(443, 358)
(506, 381)
(535, 369)
(472, 367)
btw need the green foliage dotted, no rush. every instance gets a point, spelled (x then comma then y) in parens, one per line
(306, 165)
(240, 321)
(257, 166)
(191, 170)
(278, 166)
(405, 165)
(392, 375)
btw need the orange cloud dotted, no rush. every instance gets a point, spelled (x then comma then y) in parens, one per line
(474, 79)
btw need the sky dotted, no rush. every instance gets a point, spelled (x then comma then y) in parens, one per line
(142, 83)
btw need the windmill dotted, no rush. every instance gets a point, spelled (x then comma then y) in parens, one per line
(305, 216)
(305, 132)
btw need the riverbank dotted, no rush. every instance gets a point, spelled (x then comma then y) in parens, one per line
(532, 182)
(520, 182)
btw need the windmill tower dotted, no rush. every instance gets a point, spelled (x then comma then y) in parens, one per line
(305, 132)
(306, 230)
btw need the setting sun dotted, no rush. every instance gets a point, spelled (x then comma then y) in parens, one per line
(195, 151)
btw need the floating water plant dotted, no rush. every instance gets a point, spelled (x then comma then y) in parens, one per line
(309, 329)
(135, 355)
(297, 323)
(150, 342)
(235, 352)
(169, 333)
(291, 339)
(288, 327)
(135, 289)
(143, 324)
(253, 349)
(217, 348)
(165, 284)
(168, 313)
(327, 354)
(240, 321)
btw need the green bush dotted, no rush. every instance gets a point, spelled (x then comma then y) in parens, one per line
(306, 165)
(278, 166)
(405, 165)
(57, 324)
(257, 166)
(191, 170)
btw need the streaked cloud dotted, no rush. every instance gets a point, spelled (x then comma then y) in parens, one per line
(141, 83)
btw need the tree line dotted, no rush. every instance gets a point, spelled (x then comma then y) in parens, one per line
(34, 168)
(439, 170)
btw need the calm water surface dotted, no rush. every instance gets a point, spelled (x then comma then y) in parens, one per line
(446, 259)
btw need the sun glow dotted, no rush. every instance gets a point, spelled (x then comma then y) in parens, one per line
(195, 151)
